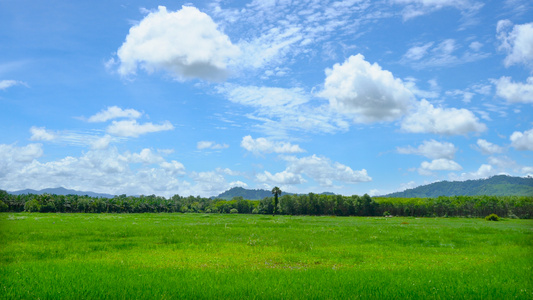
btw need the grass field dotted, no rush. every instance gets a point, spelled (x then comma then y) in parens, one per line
(215, 256)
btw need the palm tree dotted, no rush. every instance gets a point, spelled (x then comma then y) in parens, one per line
(276, 192)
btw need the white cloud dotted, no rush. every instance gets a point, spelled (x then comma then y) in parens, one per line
(101, 143)
(488, 147)
(514, 92)
(447, 121)
(281, 178)
(210, 145)
(444, 54)
(484, 171)
(417, 52)
(237, 183)
(365, 90)
(263, 145)
(264, 96)
(431, 149)
(279, 110)
(186, 43)
(130, 128)
(41, 134)
(5, 84)
(146, 156)
(517, 43)
(105, 171)
(522, 140)
(173, 167)
(13, 154)
(114, 112)
(324, 171)
(415, 8)
(440, 165)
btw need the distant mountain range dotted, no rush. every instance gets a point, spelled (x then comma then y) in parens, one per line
(61, 191)
(500, 185)
(251, 194)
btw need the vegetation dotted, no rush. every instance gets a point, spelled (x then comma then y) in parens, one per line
(500, 185)
(276, 192)
(229, 256)
(492, 217)
(310, 204)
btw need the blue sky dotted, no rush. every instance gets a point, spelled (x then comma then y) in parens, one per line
(193, 98)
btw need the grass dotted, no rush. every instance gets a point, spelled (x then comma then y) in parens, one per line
(213, 256)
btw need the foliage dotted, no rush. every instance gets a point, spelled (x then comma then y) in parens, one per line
(276, 192)
(492, 217)
(295, 204)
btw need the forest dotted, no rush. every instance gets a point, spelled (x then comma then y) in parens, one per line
(306, 204)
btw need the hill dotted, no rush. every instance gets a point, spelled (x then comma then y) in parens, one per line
(61, 191)
(245, 193)
(251, 194)
(500, 185)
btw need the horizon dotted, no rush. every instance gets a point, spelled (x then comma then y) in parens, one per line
(194, 98)
(284, 192)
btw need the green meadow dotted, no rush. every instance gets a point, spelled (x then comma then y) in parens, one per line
(223, 256)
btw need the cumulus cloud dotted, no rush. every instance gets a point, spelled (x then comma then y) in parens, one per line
(12, 154)
(41, 134)
(488, 147)
(366, 91)
(262, 145)
(130, 128)
(517, 42)
(324, 171)
(448, 121)
(431, 149)
(522, 140)
(484, 171)
(281, 178)
(514, 92)
(186, 43)
(146, 156)
(101, 143)
(114, 112)
(441, 164)
(210, 145)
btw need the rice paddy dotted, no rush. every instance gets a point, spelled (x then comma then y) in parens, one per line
(221, 256)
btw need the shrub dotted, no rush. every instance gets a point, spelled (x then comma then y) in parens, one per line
(233, 211)
(255, 211)
(492, 217)
(386, 214)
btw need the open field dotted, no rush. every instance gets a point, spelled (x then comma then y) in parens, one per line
(145, 256)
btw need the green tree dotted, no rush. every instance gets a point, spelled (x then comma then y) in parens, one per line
(276, 192)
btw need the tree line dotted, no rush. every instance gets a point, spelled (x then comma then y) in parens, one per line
(302, 204)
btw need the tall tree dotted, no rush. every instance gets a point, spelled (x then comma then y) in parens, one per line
(276, 192)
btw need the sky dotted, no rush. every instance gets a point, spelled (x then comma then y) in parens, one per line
(193, 98)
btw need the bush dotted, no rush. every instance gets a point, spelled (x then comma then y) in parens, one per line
(233, 211)
(255, 211)
(492, 217)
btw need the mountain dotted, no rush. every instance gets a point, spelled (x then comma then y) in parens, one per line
(61, 191)
(500, 185)
(251, 194)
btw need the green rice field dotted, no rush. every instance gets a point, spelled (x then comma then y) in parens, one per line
(230, 256)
